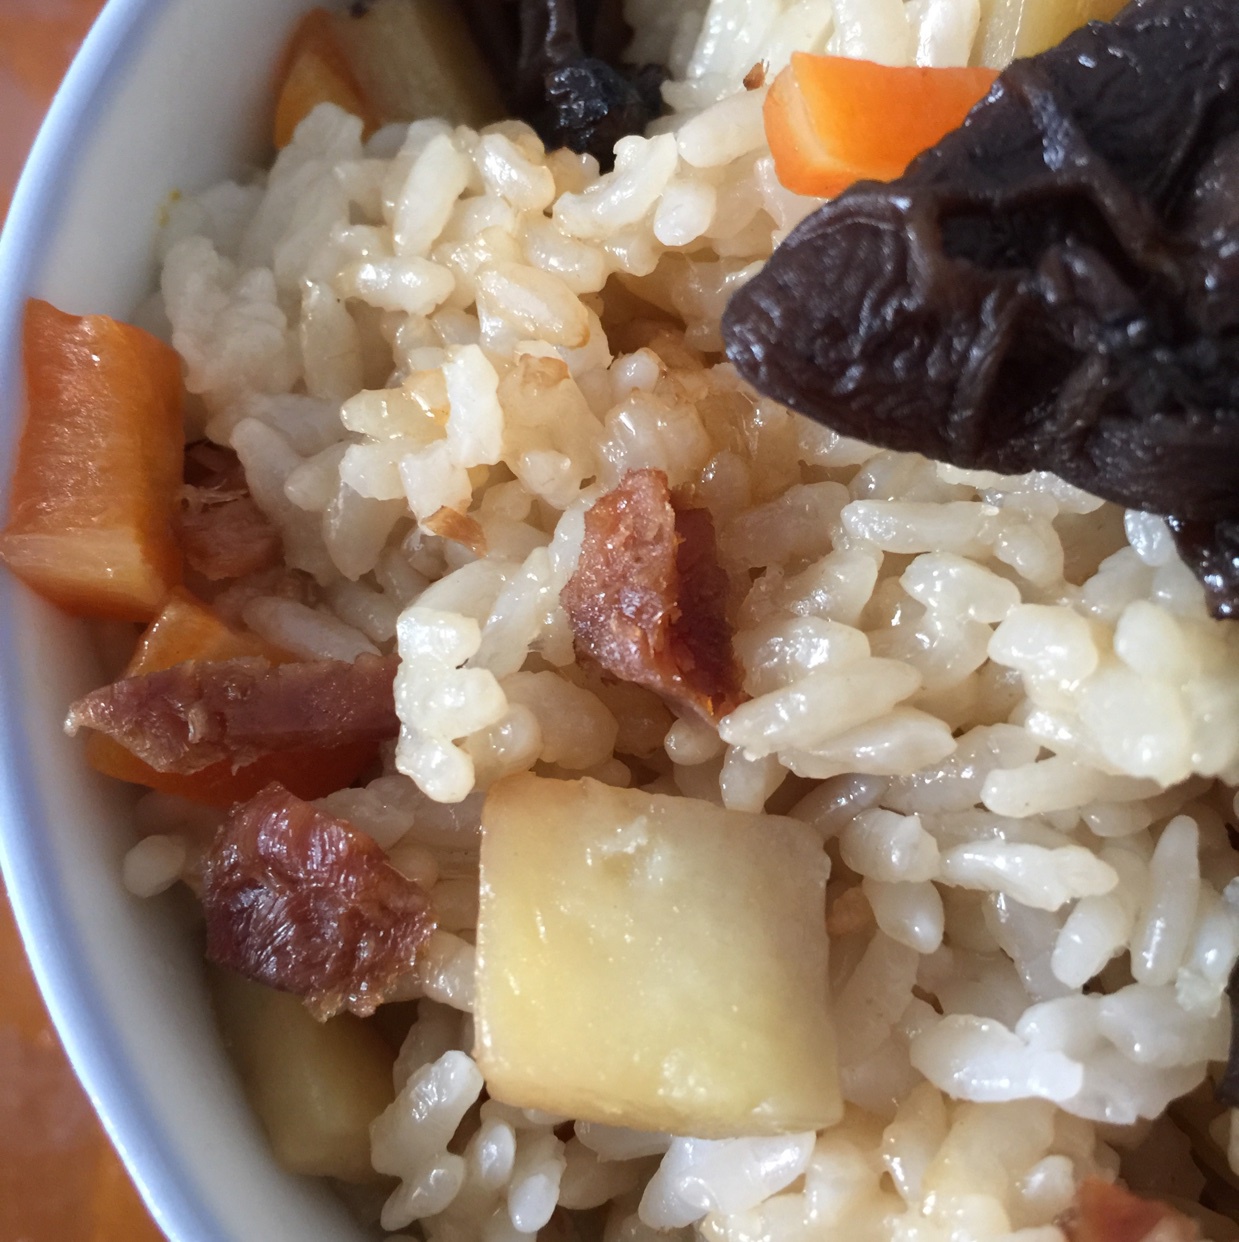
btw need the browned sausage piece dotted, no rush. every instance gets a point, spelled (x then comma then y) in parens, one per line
(224, 534)
(185, 718)
(1104, 1212)
(648, 600)
(302, 901)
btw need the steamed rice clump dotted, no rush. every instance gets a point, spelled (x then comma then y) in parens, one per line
(1000, 702)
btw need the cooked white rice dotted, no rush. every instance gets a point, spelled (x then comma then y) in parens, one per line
(1026, 774)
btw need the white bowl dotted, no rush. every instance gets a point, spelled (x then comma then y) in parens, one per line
(165, 95)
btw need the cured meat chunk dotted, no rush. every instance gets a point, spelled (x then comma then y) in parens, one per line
(302, 901)
(185, 718)
(224, 534)
(648, 599)
(1104, 1212)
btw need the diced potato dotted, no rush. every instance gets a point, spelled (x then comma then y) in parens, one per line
(1011, 28)
(316, 1086)
(653, 962)
(416, 58)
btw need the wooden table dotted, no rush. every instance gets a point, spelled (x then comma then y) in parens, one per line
(60, 1181)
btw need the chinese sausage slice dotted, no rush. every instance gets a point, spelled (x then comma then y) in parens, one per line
(648, 599)
(201, 712)
(303, 902)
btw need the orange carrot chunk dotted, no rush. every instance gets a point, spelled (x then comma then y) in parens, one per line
(92, 512)
(186, 629)
(832, 120)
(316, 70)
(313, 772)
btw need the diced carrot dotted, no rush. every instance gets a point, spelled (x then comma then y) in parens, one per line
(309, 772)
(832, 120)
(186, 629)
(316, 70)
(92, 513)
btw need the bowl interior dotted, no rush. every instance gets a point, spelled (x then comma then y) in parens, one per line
(166, 95)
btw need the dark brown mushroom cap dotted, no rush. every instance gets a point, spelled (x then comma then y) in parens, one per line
(1052, 287)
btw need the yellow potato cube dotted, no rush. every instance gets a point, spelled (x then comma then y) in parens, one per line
(1011, 28)
(316, 1086)
(653, 962)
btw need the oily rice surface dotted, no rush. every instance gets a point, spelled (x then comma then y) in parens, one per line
(433, 353)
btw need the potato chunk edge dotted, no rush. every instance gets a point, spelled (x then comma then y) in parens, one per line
(653, 962)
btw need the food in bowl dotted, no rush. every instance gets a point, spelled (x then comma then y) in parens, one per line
(619, 804)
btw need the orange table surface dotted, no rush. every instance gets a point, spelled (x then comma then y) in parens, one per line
(60, 1181)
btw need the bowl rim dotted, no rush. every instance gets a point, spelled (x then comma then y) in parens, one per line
(94, 1046)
